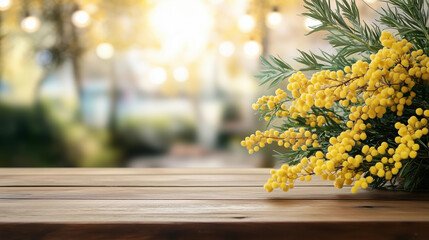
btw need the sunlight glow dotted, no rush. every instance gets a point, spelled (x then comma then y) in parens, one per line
(4, 5)
(182, 27)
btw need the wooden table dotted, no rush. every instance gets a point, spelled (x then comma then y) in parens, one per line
(197, 204)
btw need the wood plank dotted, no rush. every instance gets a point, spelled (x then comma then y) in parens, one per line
(251, 180)
(385, 230)
(133, 171)
(133, 180)
(201, 193)
(210, 211)
(197, 204)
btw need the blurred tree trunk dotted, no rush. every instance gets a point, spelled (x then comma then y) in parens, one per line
(76, 51)
(77, 76)
(114, 97)
(66, 47)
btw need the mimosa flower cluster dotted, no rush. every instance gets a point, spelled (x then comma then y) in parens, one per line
(339, 114)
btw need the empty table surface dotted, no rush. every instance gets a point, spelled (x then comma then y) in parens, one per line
(107, 203)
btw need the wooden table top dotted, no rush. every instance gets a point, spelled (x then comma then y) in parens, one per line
(163, 203)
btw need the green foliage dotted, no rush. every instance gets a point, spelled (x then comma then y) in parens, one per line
(350, 36)
(37, 137)
(27, 139)
(346, 32)
(324, 61)
(274, 70)
(410, 19)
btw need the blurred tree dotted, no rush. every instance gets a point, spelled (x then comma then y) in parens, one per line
(28, 140)
(52, 28)
(68, 38)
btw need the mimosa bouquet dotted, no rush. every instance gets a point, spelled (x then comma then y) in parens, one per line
(359, 116)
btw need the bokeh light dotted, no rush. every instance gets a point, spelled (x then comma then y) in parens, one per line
(252, 48)
(158, 75)
(30, 24)
(81, 19)
(181, 74)
(273, 19)
(105, 50)
(4, 5)
(246, 23)
(226, 49)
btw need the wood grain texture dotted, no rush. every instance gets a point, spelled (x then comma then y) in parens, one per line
(133, 180)
(201, 193)
(239, 210)
(15, 177)
(133, 171)
(197, 204)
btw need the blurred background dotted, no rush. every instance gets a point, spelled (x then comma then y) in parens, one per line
(140, 83)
